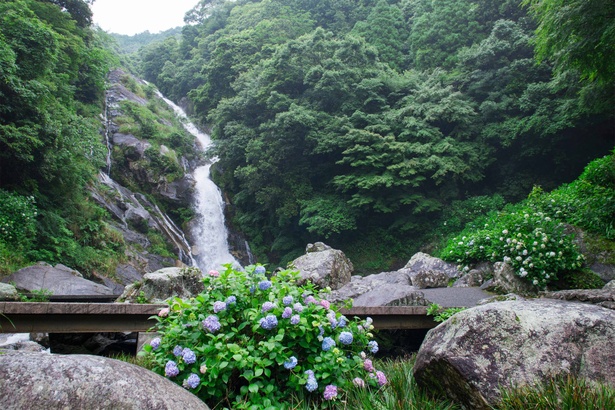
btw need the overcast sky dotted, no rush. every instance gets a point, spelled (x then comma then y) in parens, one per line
(136, 16)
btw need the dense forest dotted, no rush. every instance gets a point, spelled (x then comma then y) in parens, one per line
(377, 126)
(362, 122)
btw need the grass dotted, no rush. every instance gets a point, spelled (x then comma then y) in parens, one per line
(402, 393)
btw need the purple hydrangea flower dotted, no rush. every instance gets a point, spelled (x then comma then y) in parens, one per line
(192, 381)
(290, 363)
(177, 351)
(310, 374)
(327, 344)
(311, 384)
(332, 320)
(359, 382)
(264, 285)
(170, 369)
(219, 306)
(325, 303)
(155, 343)
(259, 270)
(321, 331)
(373, 346)
(267, 306)
(345, 338)
(230, 300)
(287, 300)
(298, 307)
(330, 392)
(188, 356)
(310, 299)
(368, 366)
(295, 319)
(211, 323)
(269, 322)
(288, 312)
(382, 379)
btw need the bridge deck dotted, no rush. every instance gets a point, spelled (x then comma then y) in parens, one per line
(54, 317)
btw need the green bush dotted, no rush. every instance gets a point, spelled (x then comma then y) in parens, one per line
(534, 244)
(249, 342)
(17, 220)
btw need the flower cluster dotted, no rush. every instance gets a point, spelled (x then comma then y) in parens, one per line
(232, 341)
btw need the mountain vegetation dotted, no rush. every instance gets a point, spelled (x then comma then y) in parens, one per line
(379, 126)
(362, 122)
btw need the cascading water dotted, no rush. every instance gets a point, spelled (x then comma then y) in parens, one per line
(210, 249)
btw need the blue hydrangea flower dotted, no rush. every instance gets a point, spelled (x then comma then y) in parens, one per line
(192, 381)
(345, 338)
(311, 384)
(321, 331)
(327, 344)
(295, 319)
(171, 369)
(177, 351)
(155, 343)
(259, 270)
(287, 300)
(219, 306)
(230, 300)
(298, 307)
(342, 322)
(269, 322)
(373, 346)
(264, 285)
(212, 323)
(267, 306)
(252, 289)
(189, 356)
(288, 312)
(332, 320)
(290, 363)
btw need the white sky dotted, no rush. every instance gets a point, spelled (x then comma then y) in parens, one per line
(136, 16)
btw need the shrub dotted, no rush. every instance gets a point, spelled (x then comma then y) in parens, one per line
(534, 244)
(252, 342)
(17, 220)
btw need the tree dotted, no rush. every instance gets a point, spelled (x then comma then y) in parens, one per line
(577, 34)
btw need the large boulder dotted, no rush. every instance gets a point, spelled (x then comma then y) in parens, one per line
(505, 280)
(8, 292)
(324, 266)
(602, 297)
(476, 352)
(156, 287)
(48, 381)
(59, 280)
(428, 271)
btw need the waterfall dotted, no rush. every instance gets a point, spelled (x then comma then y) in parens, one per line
(210, 249)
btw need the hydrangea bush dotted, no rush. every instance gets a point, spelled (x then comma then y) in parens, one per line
(250, 341)
(532, 242)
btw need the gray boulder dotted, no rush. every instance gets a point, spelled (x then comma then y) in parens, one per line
(324, 266)
(430, 278)
(602, 297)
(470, 356)
(392, 295)
(156, 287)
(423, 262)
(506, 281)
(360, 285)
(8, 292)
(59, 280)
(46, 381)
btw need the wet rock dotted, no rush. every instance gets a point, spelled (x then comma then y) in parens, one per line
(49, 381)
(324, 266)
(156, 287)
(430, 278)
(423, 262)
(8, 292)
(476, 352)
(602, 297)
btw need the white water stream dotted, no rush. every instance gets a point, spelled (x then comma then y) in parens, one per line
(210, 249)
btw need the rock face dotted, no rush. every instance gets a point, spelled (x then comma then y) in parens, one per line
(602, 297)
(47, 381)
(480, 349)
(59, 280)
(324, 266)
(506, 281)
(156, 287)
(423, 262)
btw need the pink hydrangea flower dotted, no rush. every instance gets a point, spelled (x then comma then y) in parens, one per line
(325, 303)
(382, 379)
(368, 366)
(214, 273)
(330, 392)
(359, 382)
(164, 312)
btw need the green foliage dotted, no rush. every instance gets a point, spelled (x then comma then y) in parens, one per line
(440, 314)
(250, 341)
(565, 392)
(577, 34)
(17, 220)
(36, 295)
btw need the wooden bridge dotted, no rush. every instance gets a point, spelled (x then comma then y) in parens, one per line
(59, 317)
